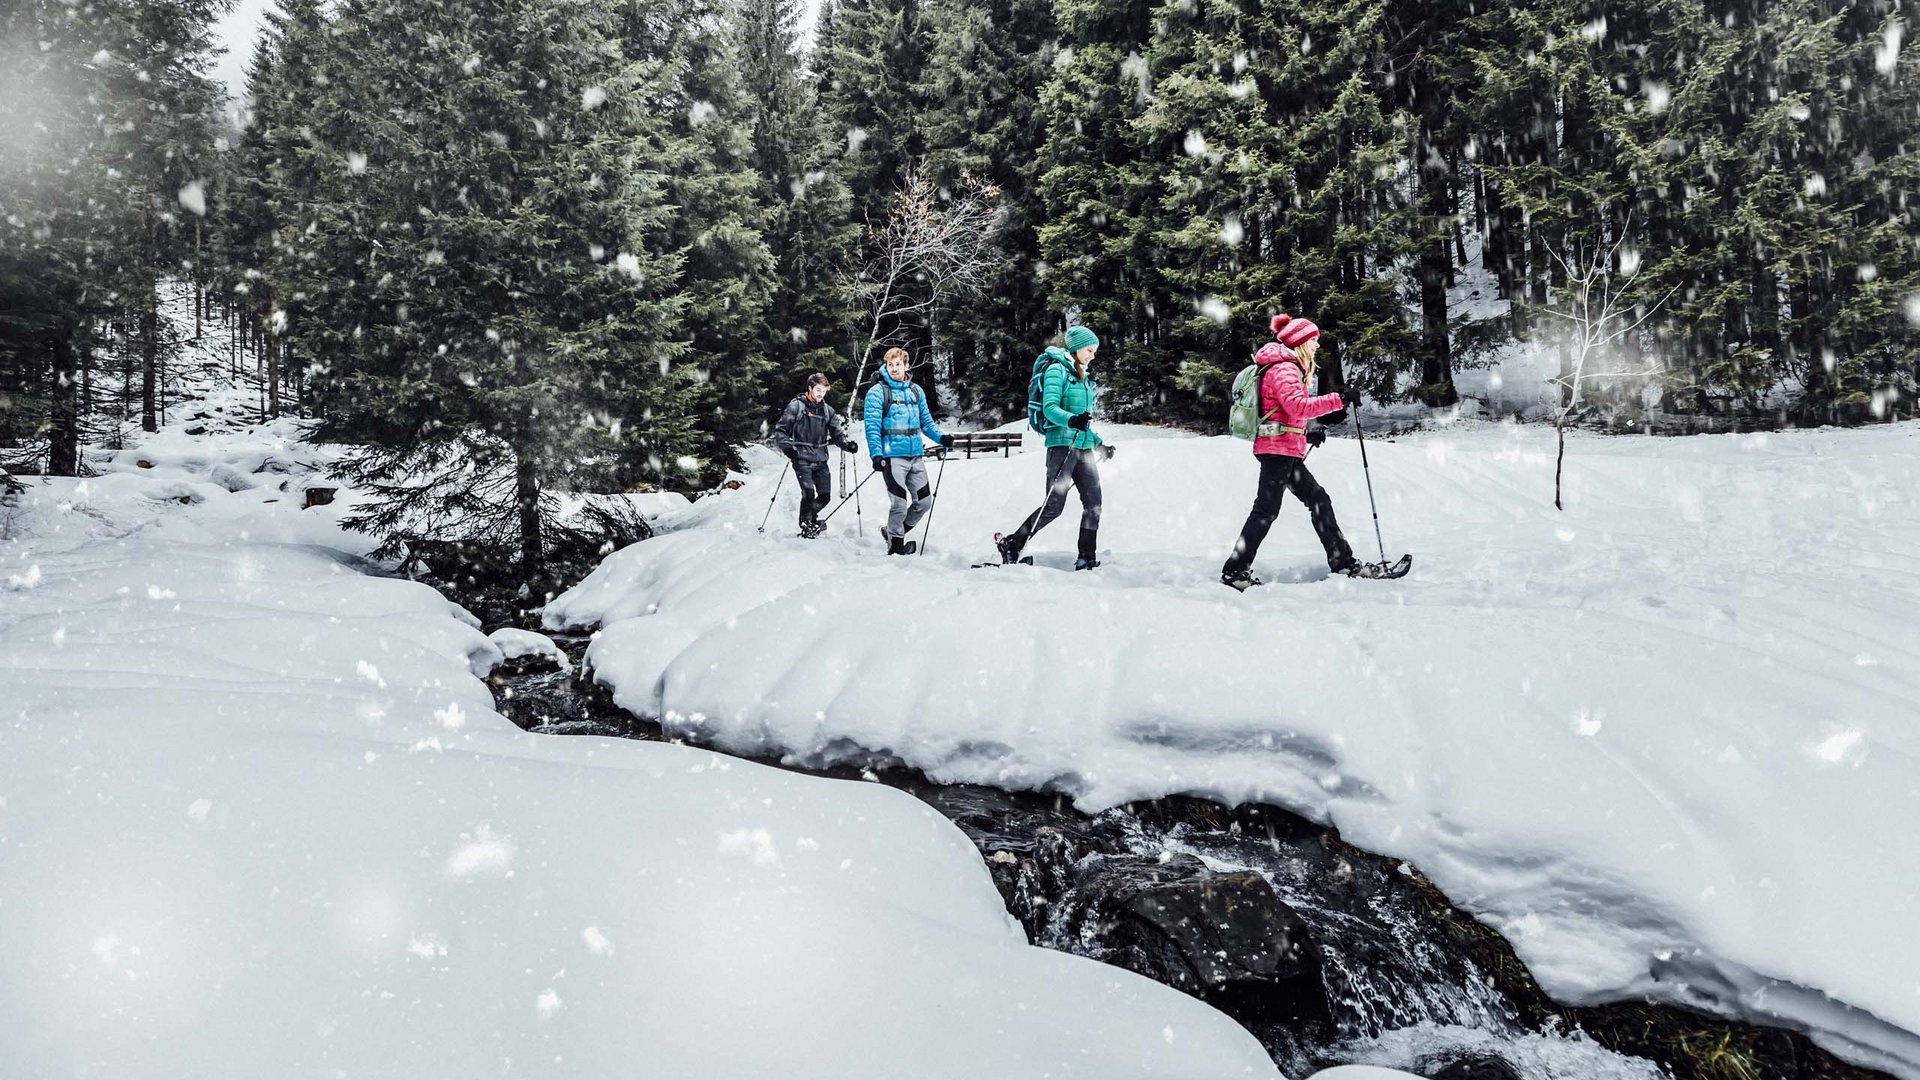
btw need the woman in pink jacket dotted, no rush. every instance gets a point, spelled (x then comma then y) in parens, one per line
(1286, 368)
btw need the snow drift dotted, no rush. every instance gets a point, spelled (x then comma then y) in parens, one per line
(259, 818)
(1656, 740)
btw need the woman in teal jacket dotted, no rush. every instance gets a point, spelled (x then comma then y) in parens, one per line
(1074, 450)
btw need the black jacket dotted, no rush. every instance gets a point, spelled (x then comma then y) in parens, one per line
(806, 430)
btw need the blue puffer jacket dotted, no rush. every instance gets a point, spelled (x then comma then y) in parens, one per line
(897, 415)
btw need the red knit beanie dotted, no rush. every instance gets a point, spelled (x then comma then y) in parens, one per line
(1293, 332)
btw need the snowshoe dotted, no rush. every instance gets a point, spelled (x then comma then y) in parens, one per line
(1025, 560)
(1380, 571)
(897, 546)
(1085, 563)
(1239, 580)
(811, 530)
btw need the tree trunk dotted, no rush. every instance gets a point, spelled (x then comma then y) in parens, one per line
(86, 373)
(198, 293)
(1436, 264)
(273, 375)
(63, 421)
(149, 365)
(526, 493)
(1332, 373)
(1559, 457)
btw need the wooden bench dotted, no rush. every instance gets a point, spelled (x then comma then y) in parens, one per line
(987, 442)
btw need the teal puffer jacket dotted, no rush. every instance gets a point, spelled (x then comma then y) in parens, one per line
(1061, 396)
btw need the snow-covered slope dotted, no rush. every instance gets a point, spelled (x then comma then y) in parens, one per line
(1664, 740)
(258, 818)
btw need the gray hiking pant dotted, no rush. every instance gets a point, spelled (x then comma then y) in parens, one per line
(909, 493)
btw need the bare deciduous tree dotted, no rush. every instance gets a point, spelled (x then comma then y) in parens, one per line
(926, 253)
(1600, 311)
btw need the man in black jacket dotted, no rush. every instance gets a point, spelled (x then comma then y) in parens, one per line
(803, 434)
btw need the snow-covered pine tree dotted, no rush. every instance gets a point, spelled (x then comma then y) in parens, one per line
(486, 292)
(869, 57)
(1284, 194)
(1092, 186)
(987, 63)
(808, 209)
(107, 114)
(261, 230)
(702, 142)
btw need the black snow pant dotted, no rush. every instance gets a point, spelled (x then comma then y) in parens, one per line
(816, 489)
(1067, 469)
(1278, 475)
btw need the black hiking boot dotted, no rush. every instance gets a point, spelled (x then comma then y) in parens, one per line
(1009, 551)
(811, 529)
(1089, 550)
(897, 546)
(1238, 580)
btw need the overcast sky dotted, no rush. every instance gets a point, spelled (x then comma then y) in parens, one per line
(239, 28)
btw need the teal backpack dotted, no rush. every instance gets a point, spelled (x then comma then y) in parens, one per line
(1243, 416)
(1036, 409)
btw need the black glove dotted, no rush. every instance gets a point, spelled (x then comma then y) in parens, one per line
(946, 442)
(1316, 436)
(850, 446)
(1106, 451)
(879, 464)
(1079, 421)
(1335, 418)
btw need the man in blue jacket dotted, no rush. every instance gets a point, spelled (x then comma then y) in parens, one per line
(897, 416)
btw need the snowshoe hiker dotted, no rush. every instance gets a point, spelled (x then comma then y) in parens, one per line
(897, 418)
(1280, 374)
(803, 433)
(1060, 404)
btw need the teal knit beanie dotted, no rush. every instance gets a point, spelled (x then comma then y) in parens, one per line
(1079, 337)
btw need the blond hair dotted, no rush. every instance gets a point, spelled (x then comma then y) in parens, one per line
(893, 352)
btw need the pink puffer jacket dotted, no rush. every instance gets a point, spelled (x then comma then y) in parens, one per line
(1284, 397)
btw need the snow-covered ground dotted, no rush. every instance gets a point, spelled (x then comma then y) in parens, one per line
(259, 818)
(1664, 741)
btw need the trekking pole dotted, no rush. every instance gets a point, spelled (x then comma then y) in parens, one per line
(1361, 431)
(776, 495)
(855, 496)
(859, 519)
(927, 537)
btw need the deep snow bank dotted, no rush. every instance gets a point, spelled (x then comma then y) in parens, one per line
(1656, 740)
(258, 818)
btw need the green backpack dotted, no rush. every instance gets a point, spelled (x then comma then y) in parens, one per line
(1243, 416)
(1036, 409)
